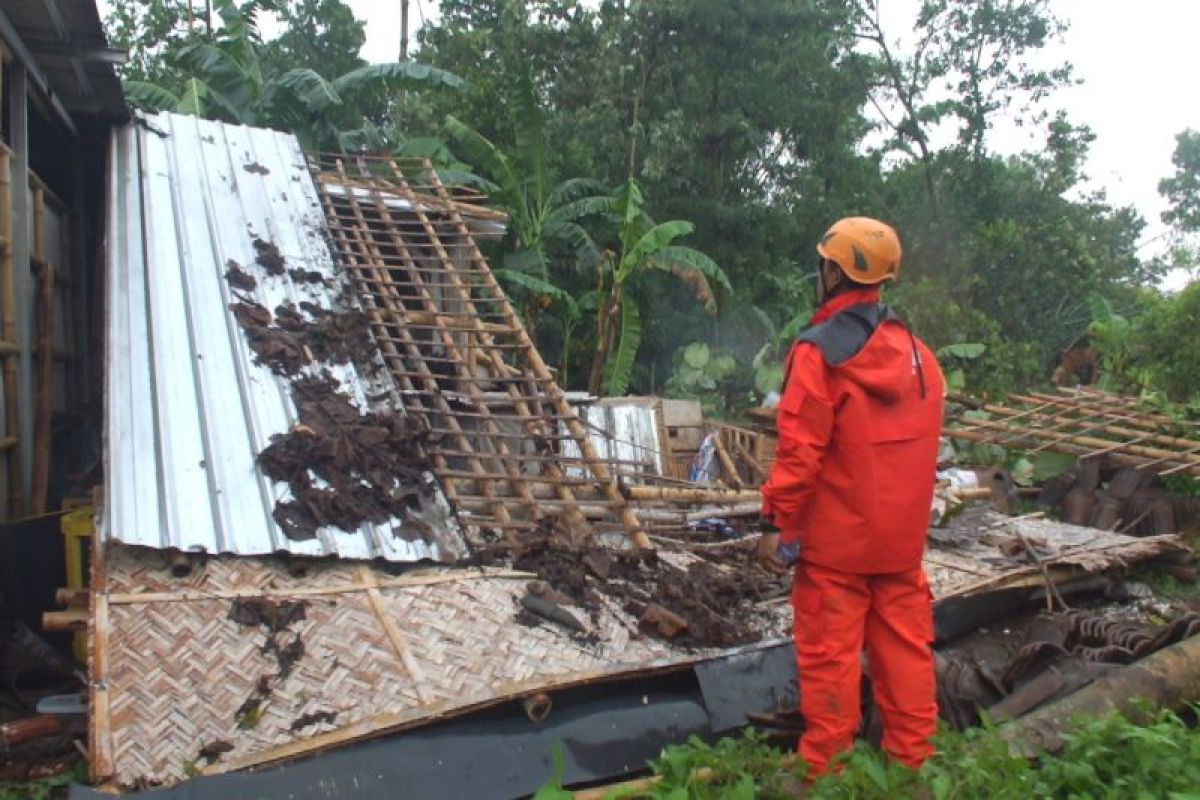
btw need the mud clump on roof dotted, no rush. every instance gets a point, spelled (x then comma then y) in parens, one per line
(268, 257)
(238, 278)
(716, 602)
(300, 275)
(371, 465)
(295, 337)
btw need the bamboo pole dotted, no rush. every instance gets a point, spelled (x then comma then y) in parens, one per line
(8, 332)
(1076, 445)
(688, 495)
(1105, 427)
(525, 344)
(43, 400)
(75, 619)
(727, 465)
(541, 369)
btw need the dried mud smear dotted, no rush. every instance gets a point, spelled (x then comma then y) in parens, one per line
(238, 278)
(268, 257)
(344, 467)
(276, 617)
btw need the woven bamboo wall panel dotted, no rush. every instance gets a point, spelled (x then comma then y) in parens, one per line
(180, 669)
(384, 651)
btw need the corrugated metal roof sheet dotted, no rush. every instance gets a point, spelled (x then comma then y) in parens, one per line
(187, 409)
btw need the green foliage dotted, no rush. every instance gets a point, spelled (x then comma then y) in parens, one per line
(644, 246)
(713, 377)
(1182, 189)
(951, 356)
(229, 73)
(677, 104)
(1168, 339)
(1109, 757)
(50, 788)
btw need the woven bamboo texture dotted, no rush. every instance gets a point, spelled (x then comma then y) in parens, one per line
(179, 668)
(383, 652)
(1087, 423)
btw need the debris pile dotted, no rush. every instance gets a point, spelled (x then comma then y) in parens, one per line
(1056, 655)
(690, 600)
(1109, 496)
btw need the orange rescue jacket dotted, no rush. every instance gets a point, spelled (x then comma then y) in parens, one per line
(858, 423)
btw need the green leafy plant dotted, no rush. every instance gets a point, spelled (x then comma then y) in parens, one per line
(644, 246)
(227, 76)
(952, 357)
(50, 788)
(708, 375)
(1110, 757)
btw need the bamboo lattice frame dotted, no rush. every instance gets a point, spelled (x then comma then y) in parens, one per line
(460, 354)
(1087, 423)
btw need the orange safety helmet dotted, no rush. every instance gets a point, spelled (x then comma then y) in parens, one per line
(867, 250)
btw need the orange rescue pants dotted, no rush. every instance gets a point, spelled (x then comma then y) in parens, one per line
(836, 615)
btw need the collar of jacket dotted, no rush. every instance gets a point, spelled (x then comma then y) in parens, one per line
(835, 305)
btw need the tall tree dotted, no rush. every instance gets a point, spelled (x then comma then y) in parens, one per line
(231, 77)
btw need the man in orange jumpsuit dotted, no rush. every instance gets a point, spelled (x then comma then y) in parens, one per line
(850, 490)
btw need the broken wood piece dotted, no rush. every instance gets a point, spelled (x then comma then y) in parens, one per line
(665, 622)
(1168, 679)
(73, 620)
(71, 598)
(552, 612)
(690, 495)
(24, 730)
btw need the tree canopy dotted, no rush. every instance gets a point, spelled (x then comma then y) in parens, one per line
(751, 126)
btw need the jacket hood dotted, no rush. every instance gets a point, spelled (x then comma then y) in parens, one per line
(887, 366)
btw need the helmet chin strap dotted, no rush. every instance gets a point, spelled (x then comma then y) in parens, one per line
(823, 292)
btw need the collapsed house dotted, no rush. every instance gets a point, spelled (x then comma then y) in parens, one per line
(346, 510)
(345, 498)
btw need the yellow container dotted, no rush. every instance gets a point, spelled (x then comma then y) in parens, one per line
(77, 529)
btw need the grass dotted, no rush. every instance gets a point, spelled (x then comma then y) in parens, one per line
(1104, 758)
(47, 788)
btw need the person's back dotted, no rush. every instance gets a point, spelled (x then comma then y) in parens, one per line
(870, 509)
(859, 420)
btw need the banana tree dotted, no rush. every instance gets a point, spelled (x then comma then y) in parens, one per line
(546, 237)
(230, 79)
(643, 246)
(543, 212)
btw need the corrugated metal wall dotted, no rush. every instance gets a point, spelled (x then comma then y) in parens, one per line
(186, 409)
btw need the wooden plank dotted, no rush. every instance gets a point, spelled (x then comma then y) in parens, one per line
(407, 582)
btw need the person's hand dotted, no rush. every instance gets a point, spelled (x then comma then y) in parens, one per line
(768, 553)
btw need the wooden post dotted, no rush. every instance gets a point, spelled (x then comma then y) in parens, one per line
(22, 295)
(44, 273)
(8, 335)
